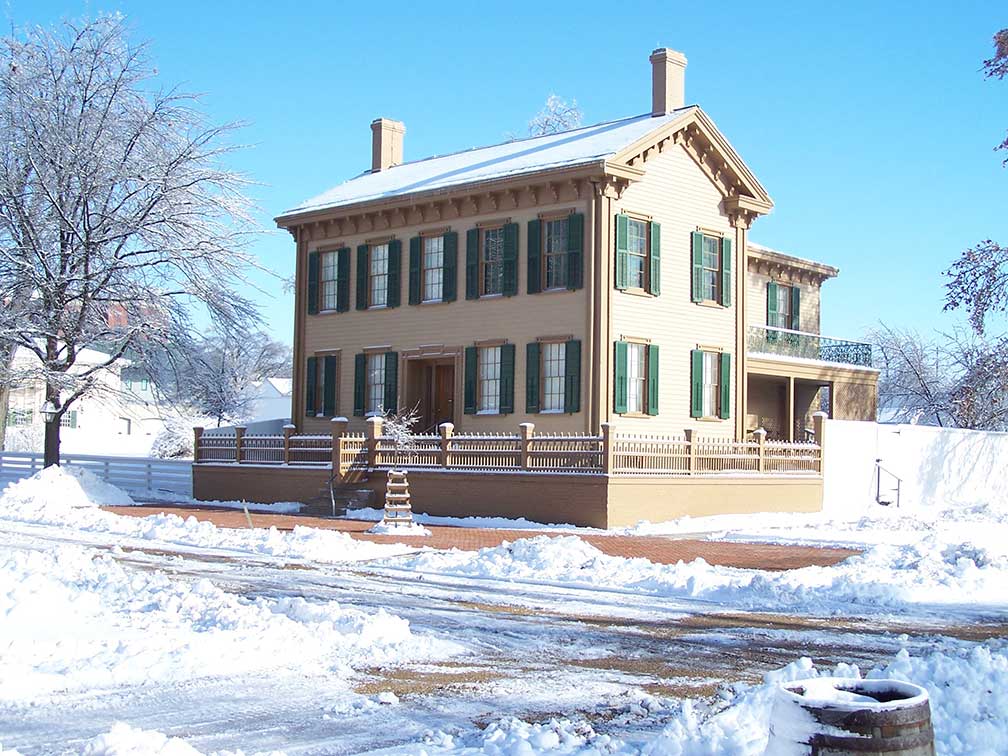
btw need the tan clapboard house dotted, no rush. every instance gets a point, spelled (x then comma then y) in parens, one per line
(599, 275)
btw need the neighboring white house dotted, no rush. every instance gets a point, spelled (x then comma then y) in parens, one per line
(272, 400)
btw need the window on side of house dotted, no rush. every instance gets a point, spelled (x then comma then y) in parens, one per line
(554, 375)
(555, 253)
(637, 254)
(433, 268)
(375, 383)
(327, 281)
(710, 406)
(710, 283)
(636, 378)
(378, 258)
(488, 388)
(491, 261)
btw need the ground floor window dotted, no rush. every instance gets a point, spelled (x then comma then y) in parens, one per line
(554, 373)
(636, 377)
(375, 383)
(488, 394)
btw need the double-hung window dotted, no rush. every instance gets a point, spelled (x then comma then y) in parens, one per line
(711, 384)
(492, 261)
(712, 264)
(488, 390)
(710, 406)
(378, 259)
(327, 281)
(555, 252)
(780, 312)
(710, 259)
(637, 254)
(636, 377)
(433, 268)
(375, 383)
(554, 374)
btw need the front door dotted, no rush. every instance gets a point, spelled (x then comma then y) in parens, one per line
(443, 404)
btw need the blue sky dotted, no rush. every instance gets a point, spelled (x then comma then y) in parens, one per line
(871, 126)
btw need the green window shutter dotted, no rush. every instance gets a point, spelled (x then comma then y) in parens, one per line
(696, 245)
(329, 386)
(654, 274)
(696, 383)
(472, 264)
(652, 379)
(343, 279)
(362, 271)
(534, 272)
(414, 270)
(575, 251)
(795, 308)
(532, 377)
(507, 371)
(726, 279)
(313, 283)
(359, 386)
(620, 378)
(393, 296)
(725, 412)
(470, 380)
(510, 262)
(622, 245)
(311, 387)
(449, 290)
(391, 398)
(572, 376)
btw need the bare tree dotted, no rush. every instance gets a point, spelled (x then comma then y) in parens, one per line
(557, 115)
(113, 196)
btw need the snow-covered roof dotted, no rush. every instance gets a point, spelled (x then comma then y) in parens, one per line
(566, 149)
(282, 385)
(824, 269)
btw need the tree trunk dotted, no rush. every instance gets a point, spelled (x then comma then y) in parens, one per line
(51, 454)
(6, 358)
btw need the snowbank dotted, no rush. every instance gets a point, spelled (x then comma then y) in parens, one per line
(123, 740)
(403, 529)
(63, 487)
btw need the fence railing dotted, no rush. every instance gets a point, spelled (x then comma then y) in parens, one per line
(811, 346)
(134, 474)
(610, 453)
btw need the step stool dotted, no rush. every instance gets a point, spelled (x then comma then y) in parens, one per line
(398, 510)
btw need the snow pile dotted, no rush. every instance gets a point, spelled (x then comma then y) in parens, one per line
(932, 574)
(399, 529)
(56, 489)
(123, 740)
(72, 619)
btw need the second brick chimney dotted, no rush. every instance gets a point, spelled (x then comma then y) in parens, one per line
(668, 81)
(386, 143)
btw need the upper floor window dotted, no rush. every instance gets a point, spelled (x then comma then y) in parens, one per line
(783, 306)
(638, 254)
(492, 261)
(637, 250)
(433, 268)
(327, 281)
(488, 389)
(555, 253)
(378, 281)
(712, 260)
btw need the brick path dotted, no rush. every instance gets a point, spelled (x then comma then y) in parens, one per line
(661, 549)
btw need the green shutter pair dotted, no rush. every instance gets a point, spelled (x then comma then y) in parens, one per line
(342, 280)
(696, 384)
(572, 376)
(621, 376)
(328, 386)
(696, 246)
(507, 365)
(575, 254)
(390, 396)
(509, 284)
(772, 312)
(623, 255)
(392, 295)
(449, 269)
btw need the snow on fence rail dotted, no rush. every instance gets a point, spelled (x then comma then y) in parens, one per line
(135, 474)
(607, 454)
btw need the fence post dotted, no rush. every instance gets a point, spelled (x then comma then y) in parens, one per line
(446, 430)
(197, 437)
(760, 435)
(374, 431)
(526, 430)
(239, 442)
(338, 426)
(691, 449)
(819, 428)
(607, 449)
(288, 431)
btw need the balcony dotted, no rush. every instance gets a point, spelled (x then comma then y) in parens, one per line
(809, 346)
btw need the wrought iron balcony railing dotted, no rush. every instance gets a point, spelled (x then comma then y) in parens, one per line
(810, 346)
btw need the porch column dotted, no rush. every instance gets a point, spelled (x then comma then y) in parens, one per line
(790, 408)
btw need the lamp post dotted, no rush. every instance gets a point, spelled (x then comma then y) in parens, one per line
(49, 412)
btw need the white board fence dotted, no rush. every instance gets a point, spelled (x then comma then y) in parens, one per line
(133, 474)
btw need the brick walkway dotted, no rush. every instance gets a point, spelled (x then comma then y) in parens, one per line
(659, 549)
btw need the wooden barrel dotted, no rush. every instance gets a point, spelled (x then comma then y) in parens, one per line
(830, 716)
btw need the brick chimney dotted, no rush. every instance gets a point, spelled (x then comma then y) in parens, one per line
(386, 143)
(668, 81)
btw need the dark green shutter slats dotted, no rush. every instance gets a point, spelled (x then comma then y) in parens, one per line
(622, 253)
(532, 377)
(696, 245)
(393, 295)
(696, 383)
(329, 386)
(359, 384)
(311, 384)
(771, 308)
(572, 376)
(534, 273)
(313, 283)
(654, 274)
(725, 409)
(620, 378)
(575, 251)
(362, 282)
(414, 270)
(507, 371)
(795, 308)
(472, 263)
(652, 379)
(470, 380)
(726, 256)
(510, 266)
(343, 279)
(449, 290)
(391, 397)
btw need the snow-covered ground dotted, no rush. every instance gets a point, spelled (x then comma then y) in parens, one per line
(170, 636)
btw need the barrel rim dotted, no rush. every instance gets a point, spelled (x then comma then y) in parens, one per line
(910, 694)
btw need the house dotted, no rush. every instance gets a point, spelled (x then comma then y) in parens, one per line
(597, 283)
